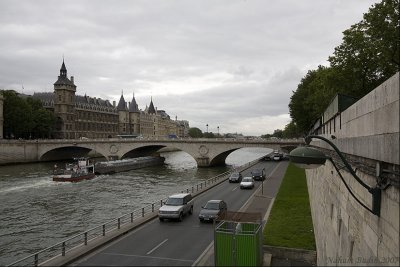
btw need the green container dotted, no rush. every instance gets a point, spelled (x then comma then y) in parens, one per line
(238, 244)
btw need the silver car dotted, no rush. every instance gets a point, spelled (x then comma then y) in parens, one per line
(247, 182)
(213, 210)
(176, 207)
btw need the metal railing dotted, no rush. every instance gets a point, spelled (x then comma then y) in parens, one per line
(89, 236)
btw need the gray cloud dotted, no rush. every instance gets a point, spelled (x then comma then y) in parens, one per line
(227, 63)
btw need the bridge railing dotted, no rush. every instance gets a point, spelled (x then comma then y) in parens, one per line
(155, 138)
(125, 221)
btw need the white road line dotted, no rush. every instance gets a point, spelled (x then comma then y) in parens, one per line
(156, 247)
(234, 188)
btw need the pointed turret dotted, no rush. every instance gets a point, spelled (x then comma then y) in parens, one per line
(151, 110)
(133, 107)
(63, 79)
(121, 104)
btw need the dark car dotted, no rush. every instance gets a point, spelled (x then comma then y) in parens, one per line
(212, 210)
(258, 174)
(235, 177)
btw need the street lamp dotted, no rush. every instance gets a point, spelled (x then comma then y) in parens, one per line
(207, 128)
(218, 129)
(309, 158)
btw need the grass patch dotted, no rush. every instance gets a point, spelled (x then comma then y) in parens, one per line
(290, 223)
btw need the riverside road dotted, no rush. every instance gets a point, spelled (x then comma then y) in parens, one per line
(173, 243)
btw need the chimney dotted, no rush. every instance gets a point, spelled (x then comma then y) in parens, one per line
(72, 79)
(114, 103)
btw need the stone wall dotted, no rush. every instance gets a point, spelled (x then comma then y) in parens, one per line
(346, 233)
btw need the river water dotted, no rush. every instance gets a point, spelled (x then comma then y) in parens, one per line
(36, 212)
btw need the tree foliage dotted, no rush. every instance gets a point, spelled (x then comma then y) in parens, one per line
(25, 117)
(368, 55)
(195, 132)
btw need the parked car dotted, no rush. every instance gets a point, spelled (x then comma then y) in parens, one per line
(213, 210)
(176, 207)
(235, 177)
(247, 182)
(258, 174)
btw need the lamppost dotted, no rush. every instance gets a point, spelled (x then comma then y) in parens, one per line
(207, 128)
(309, 158)
(218, 129)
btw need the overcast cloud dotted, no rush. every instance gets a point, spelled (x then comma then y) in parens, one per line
(226, 63)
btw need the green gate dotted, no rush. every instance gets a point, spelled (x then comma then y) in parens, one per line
(238, 244)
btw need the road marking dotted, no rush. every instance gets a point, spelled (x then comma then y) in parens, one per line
(234, 188)
(156, 247)
(148, 257)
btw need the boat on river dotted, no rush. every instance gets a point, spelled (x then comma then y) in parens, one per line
(81, 169)
(109, 167)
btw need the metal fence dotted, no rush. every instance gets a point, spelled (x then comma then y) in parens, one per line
(84, 239)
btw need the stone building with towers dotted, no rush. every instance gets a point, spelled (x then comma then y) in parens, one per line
(90, 117)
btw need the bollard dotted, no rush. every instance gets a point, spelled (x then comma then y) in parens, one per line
(104, 229)
(152, 207)
(36, 259)
(161, 203)
(119, 223)
(192, 189)
(85, 238)
(131, 217)
(142, 212)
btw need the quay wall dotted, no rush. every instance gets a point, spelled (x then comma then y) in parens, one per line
(18, 152)
(346, 233)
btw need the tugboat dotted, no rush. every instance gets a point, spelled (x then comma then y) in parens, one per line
(82, 169)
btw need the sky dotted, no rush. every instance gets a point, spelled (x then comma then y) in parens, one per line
(230, 64)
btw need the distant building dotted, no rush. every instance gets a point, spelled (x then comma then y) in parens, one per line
(83, 116)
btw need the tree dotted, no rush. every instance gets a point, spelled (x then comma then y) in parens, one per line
(195, 132)
(209, 135)
(26, 117)
(278, 133)
(291, 130)
(369, 53)
(17, 116)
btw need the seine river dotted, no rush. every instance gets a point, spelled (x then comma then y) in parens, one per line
(36, 212)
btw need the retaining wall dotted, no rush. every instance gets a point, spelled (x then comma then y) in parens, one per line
(346, 233)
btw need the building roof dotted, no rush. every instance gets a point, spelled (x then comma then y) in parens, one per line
(133, 107)
(151, 109)
(121, 104)
(49, 97)
(63, 79)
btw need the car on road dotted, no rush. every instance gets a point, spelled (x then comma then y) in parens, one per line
(235, 177)
(276, 157)
(176, 206)
(247, 182)
(213, 210)
(258, 174)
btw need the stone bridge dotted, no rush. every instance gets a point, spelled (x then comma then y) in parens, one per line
(206, 152)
